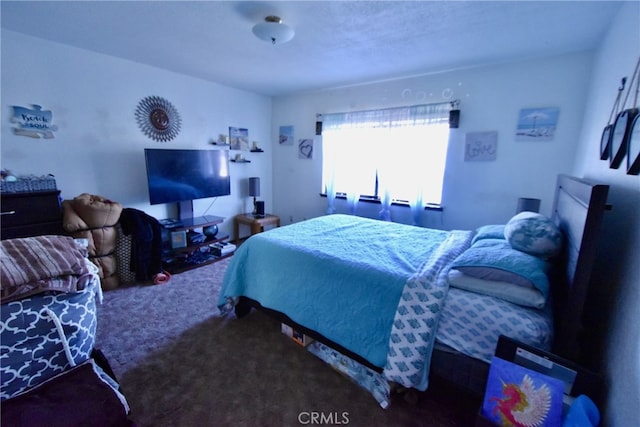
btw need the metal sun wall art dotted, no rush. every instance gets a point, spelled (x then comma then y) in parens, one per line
(158, 118)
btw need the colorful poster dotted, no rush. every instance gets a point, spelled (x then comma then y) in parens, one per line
(517, 396)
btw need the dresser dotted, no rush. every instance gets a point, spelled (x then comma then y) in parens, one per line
(30, 214)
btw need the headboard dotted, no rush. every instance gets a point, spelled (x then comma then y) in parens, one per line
(578, 208)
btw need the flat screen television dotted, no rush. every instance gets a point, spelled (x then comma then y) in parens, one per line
(184, 175)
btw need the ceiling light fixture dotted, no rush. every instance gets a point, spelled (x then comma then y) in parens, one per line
(273, 30)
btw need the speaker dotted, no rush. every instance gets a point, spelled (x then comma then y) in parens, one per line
(259, 208)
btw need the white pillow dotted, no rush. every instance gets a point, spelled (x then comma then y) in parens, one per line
(534, 234)
(527, 296)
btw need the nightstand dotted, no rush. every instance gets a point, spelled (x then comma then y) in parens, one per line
(256, 223)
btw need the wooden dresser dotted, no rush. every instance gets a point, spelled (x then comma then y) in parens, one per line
(30, 214)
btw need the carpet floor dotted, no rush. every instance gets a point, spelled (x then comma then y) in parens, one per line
(180, 363)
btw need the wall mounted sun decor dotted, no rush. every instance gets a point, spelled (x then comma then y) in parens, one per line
(158, 118)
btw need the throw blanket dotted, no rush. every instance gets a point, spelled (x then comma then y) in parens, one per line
(33, 265)
(416, 319)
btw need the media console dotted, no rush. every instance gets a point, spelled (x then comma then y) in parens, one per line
(185, 248)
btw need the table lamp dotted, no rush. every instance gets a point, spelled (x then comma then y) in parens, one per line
(254, 190)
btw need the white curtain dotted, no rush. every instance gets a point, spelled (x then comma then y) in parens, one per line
(404, 147)
(331, 196)
(385, 212)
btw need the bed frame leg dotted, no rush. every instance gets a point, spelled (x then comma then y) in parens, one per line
(242, 308)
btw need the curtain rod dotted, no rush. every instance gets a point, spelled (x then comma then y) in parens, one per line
(453, 104)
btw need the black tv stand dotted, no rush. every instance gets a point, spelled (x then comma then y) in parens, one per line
(177, 260)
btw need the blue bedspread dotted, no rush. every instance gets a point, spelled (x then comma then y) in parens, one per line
(348, 264)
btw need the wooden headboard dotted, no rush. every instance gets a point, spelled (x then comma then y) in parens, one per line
(578, 208)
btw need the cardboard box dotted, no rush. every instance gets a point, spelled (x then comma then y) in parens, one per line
(296, 336)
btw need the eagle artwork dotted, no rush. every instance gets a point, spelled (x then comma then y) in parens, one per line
(518, 397)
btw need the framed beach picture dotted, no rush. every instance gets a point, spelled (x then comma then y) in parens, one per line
(537, 124)
(286, 135)
(238, 138)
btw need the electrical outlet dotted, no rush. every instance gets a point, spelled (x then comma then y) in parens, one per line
(290, 218)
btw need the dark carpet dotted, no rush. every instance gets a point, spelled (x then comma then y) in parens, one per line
(181, 364)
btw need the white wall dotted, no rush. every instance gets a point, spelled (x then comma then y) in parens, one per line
(615, 326)
(98, 148)
(491, 97)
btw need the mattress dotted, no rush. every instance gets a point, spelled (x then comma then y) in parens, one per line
(471, 324)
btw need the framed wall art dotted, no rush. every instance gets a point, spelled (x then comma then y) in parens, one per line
(605, 142)
(305, 149)
(537, 124)
(238, 138)
(620, 136)
(633, 148)
(480, 146)
(286, 135)
(33, 122)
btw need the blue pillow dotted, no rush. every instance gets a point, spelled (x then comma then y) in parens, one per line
(494, 231)
(534, 234)
(494, 259)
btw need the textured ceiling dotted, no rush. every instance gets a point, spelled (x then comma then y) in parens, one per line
(337, 43)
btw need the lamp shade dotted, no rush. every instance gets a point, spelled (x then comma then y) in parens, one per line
(528, 205)
(254, 186)
(273, 30)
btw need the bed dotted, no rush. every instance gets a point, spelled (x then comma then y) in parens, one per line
(397, 303)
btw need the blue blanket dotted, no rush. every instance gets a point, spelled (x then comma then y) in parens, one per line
(339, 275)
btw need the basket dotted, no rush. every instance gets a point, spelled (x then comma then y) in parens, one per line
(29, 185)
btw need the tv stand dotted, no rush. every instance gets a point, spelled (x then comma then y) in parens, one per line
(193, 255)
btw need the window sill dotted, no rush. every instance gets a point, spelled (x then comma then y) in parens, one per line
(376, 200)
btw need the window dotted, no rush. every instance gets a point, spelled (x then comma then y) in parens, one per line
(394, 154)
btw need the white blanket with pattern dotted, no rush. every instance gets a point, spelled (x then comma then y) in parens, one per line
(416, 319)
